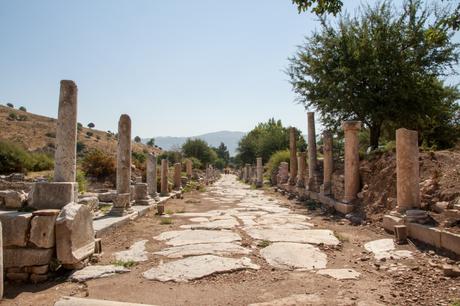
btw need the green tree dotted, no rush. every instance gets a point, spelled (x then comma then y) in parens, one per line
(199, 149)
(264, 140)
(22, 108)
(151, 142)
(382, 67)
(319, 7)
(91, 125)
(222, 153)
(137, 139)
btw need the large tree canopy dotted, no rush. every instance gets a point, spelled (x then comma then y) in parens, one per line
(382, 67)
(319, 7)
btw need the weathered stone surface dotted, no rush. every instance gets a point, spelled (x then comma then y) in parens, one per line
(351, 129)
(15, 228)
(223, 249)
(12, 198)
(291, 256)
(294, 300)
(107, 196)
(385, 248)
(293, 235)
(42, 232)
(197, 267)
(340, 274)
(152, 175)
(92, 272)
(38, 278)
(37, 269)
(17, 276)
(164, 178)
(184, 237)
(135, 253)
(54, 195)
(91, 202)
(213, 225)
(74, 301)
(124, 155)
(22, 257)
(74, 234)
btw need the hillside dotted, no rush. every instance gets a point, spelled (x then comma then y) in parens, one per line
(37, 133)
(229, 138)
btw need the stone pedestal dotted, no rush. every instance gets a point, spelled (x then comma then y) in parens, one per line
(189, 168)
(327, 163)
(152, 187)
(120, 204)
(177, 176)
(164, 178)
(54, 195)
(123, 164)
(141, 196)
(407, 170)
(293, 158)
(352, 183)
(302, 167)
(260, 172)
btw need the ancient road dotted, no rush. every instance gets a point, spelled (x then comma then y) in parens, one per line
(234, 245)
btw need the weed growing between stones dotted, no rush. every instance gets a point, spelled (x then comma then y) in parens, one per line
(125, 264)
(165, 221)
(263, 243)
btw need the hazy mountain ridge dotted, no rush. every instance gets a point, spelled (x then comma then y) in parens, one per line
(230, 138)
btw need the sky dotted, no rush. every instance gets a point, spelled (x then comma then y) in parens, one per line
(177, 67)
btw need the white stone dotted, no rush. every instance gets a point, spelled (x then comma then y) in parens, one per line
(340, 274)
(294, 300)
(184, 237)
(213, 225)
(291, 256)
(92, 272)
(223, 249)
(135, 253)
(74, 301)
(196, 267)
(294, 235)
(385, 248)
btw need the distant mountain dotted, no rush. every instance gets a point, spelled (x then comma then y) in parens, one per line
(230, 139)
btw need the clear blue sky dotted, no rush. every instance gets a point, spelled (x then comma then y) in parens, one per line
(177, 67)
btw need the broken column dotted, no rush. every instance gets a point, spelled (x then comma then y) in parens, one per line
(352, 184)
(293, 158)
(152, 184)
(177, 176)
(64, 188)
(141, 194)
(164, 178)
(189, 168)
(326, 188)
(313, 183)
(122, 202)
(301, 161)
(260, 172)
(407, 170)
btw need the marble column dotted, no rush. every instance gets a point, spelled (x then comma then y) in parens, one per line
(352, 183)
(301, 161)
(122, 201)
(293, 158)
(327, 163)
(152, 175)
(65, 157)
(260, 172)
(312, 159)
(189, 168)
(164, 178)
(177, 176)
(407, 170)
(284, 172)
(247, 173)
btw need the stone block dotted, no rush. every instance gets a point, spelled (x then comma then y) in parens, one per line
(38, 278)
(20, 276)
(451, 242)
(74, 234)
(42, 232)
(92, 202)
(343, 208)
(390, 221)
(22, 257)
(107, 196)
(12, 198)
(424, 233)
(15, 228)
(37, 269)
(54, 195)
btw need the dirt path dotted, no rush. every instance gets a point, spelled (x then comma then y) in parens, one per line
(262, 247)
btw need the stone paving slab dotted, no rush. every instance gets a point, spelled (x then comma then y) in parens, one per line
(196, 267)
(340, 274)
(176, 238)
(91, 272)
(223, 249)
(314, 236)
(385, 249)
(294, 256)
(135, 253)
(74, 301)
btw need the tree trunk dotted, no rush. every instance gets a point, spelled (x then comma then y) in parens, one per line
(374, 136)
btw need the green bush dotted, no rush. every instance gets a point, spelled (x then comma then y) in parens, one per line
(98, 164)
(22, 108)
(276, 159)
(12, 116)
(10, 105)
(82, 182)
(14, 158)
(196, 163)
(89, 134)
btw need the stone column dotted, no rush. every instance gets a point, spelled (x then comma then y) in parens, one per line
(352, 184)
(152, 175)
(327, 163)
(123, 200)
(65, 157)
(260, 172)
(189, 168)
(301, 161)
(177, 176)
(407, 170)
(284, 172)
(312, 160)
(247, 173)
(293, 159)
(164, 178)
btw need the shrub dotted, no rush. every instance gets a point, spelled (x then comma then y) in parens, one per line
(22, 118)
(22, 108)
(14, 158)
(139, 159)
(82, 182)
(196, 163)
(12, 116)
(80, 147)
(276, 159)
(10, 105)
(98, 164)
(137, 139)
(91, 125)
(89, 134)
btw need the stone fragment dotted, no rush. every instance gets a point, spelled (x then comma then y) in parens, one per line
(222, 249)
(74, 301)
(196, 267)
(42, 232)
(294, 256)
(54, 195)
(135, 253)
(340, 274)
(184, 237)
(22, 257)
(385, 249)
(92, 272)
(294, 235)
(74, 234)
(12, 198)
(91, 202)
(15, 228)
